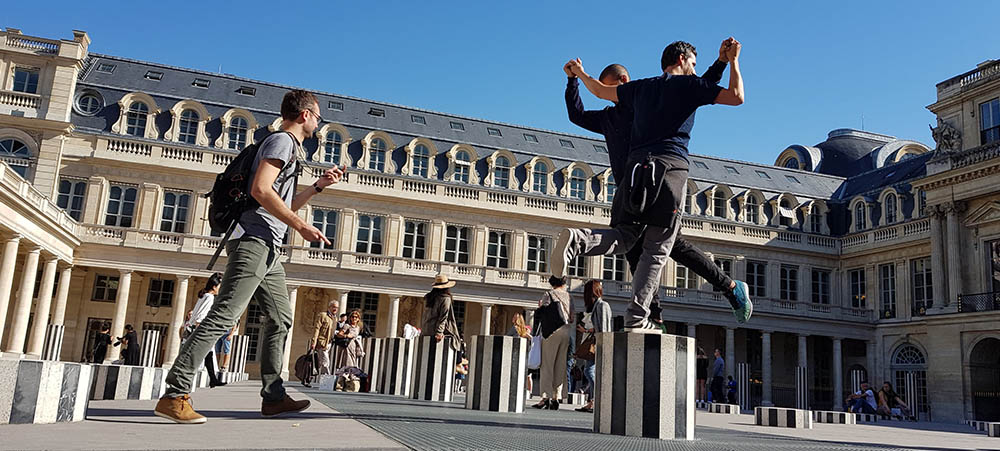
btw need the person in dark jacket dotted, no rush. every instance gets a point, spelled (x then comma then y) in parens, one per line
(130, 348)
(101, 344)
(439, 317)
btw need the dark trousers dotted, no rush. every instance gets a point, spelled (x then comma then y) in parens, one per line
(717, 395)
(687, 254)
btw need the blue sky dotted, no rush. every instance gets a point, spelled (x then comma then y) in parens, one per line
(809, 67)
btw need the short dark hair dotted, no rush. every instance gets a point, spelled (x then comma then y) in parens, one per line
(295, 102)
(613, 70)
(674, 51)
(557, 281)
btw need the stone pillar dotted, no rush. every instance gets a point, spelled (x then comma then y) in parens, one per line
(62, 295)
(871, 357)
(693, 331)
(954, 253)
(803, 350)
(7, 277)
(765, 370)
(487, 311)
(730, 351)
(121, 307)
(529, 317)
(393, 316)
(176, 320)
(22, 309)
(41, 323)
(293, 294)
(838, 375)
(342, 304)
(938, 284)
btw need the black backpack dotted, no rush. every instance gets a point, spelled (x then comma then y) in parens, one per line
(230, 195)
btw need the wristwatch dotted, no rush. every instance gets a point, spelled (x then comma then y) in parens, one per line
(317, 188)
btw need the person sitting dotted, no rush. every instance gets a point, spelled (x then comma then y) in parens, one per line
(863, 401)
(731, 394)
(890, 404)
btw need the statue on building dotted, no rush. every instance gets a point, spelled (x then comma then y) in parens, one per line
(947, 137)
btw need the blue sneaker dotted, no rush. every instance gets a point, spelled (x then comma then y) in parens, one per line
(745, 307)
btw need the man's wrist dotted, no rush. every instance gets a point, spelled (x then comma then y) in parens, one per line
(319, 189)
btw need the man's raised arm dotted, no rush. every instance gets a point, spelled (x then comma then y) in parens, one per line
(734, 94)
(601, 90)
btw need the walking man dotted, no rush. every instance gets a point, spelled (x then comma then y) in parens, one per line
(254, 269)
(322, 339)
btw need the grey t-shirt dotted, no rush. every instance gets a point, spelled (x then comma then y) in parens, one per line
(259, 223)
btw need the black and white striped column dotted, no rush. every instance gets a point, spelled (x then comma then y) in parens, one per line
(743, 386)
(53, 342)
(371, 362)
(729, 409)
(128, 382)
(857, 377)
(40, 391)
(801, 388)
(238, 355)
(396, 373)
(150, 349)
(978, 425)
(645, 385)
(866, 418)
(434, 373)
(783, 417)
(834, 417)
(993, 429)
(497, 370)
(910, 392)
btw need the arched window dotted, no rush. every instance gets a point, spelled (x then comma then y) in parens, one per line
(860, 219)
(719, 206)
(540, 179)
(463, 165)
(792, 163)
(578, 184)
(612, 188)
(16, 154)
(815, 220)
(689, 202)
(890, 209)
(909, 370)
(501, 172)
(135, 119)
(752, 209)
(376, 155)
(331, 148)
(188, 127)
(421, 160)
(238, 133)
(784, 213)
(909, 356)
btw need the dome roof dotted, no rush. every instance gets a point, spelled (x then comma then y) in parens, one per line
(845, 151)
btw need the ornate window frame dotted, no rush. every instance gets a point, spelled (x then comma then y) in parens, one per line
(491, 164)
(853, 209)
(390, 146)
(222, 142)
(173, 133)
(432, 152)
(794, 204)
(761, 199)
(529, 179)
(125, 102)
(883, 200)
(588, 172)
(603, 178)
(727, 193)
(321, 136)
(449, 175)
(807, 217)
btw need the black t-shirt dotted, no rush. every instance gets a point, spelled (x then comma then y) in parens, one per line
(663, 111)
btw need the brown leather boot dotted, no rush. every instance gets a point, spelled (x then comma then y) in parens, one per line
(178, 410)
(285, 406)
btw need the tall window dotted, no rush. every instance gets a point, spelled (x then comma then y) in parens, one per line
(135, 119)
(922, 203)
(719, 204)
(175, 210)
(105, 288)
(458, 307)
(686, 278)
(367, 303)
(161, 292)
(463, 166)
(577, 267)
(121, 206)
(456, 244)
(890, 209)
(757, 278)
(26, 80)
(71, 196)
(612, 188)
(614, 267)
(498, 250)
(376, 155)
(923, 297)
(540, 179)
(752, 209)
(188, 131)
(784, 213)
(538, 253)
(815, 220)
(858, 287)
(887, 290)
(238, 129)
(578, 184)
(860, 220)
(788, 283)
(689, 203)
(820, 286)
(501, 172)
(369, 234)
(255, 324)
(326, 222)
(415, 240)
(421, 160)
(989, 125)
(331, 148)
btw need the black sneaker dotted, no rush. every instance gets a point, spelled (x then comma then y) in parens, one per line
(553, 405)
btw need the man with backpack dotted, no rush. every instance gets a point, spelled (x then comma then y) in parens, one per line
(253, 268)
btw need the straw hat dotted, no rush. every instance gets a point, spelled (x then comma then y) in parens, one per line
(441, 281)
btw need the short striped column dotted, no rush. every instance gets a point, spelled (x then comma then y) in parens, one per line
(371, 362)
(41, 391)
(857, 377)
(866, 418)
(238, 355)
(497, 370)
(833, 417)
(644, 385)
(743, 386)
(127, 382)
(396, 372)
(783, 417)
(801, 388)
(434, 369)
(150, 349)
(729, 409)
(993, 429)
(53, 342)
(702, 404)
(575, 399)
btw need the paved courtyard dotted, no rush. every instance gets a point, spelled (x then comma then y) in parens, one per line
(375, 422)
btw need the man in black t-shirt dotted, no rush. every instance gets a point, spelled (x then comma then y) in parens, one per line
(663, 111)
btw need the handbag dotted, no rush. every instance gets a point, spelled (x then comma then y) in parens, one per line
(535, 353)
(587, 349)
(550, 316)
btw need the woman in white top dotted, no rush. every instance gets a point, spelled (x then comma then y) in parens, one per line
(206, 298)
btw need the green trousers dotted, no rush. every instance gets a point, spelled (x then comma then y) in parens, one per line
(253, 271)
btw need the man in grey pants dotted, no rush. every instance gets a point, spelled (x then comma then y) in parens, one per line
(254, 269)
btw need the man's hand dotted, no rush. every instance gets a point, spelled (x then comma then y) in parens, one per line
(568, 70)
(723, 48)
(331, 176)
(439, 337)
(733, 50)
(312, 234)
(576, 67)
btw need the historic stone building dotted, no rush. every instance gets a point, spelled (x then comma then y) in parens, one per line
(865, 253)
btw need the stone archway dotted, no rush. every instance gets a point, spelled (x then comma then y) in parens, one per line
(984, 372)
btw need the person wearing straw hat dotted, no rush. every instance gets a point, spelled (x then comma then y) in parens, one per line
(439, 317)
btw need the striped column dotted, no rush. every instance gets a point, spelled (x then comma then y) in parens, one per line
(40, 392)
(743, 386)
(434, 369)
(396, 372)
(783, 417)
(371, 362)
(497, 370)
(857, 377)
(238, 355)
(53, 342)
(127, 382)
(910, 392)
(644, 385)
(834, 417)
(866, 418)
(993, 429)
(150, 347)
(801, 387)
(729, 409)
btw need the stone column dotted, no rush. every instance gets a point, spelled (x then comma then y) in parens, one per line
(954, 253)
(176, 320)
(7, 277)
(765, 370)
(838, 375)
(803, 350)
(342, 303)
(730, 351)
(121, 307)
(62, 295)
(871, 357)
(393, 316)
(529, 318)
(22, 308)
(293, 294)
(487, 312)
(41, 322)
(693, 331)
(939, 287)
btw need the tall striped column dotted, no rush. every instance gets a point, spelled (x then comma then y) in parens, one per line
(743, 386)
(238, 356)
(150, 347)
(645, 385)
(801, 387)
(396, 373)
(371, 362)
(497, 370)
(434, 367)
(53, 342)
(910, 391)
(857, 377)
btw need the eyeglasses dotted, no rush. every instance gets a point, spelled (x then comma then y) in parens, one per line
(319, 119)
